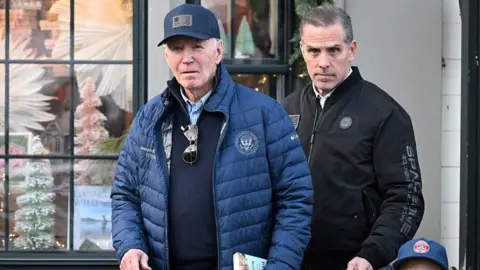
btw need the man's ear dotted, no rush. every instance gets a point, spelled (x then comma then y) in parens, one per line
(219, 52)
(301, 45)
(352, 50)
(165, 48)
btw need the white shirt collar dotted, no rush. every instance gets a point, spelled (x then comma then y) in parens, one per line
(318, 95)
(201, 101)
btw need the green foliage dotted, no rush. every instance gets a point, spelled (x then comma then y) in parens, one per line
(111, 145)
(296, 59)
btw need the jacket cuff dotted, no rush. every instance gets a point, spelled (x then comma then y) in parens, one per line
(122, 251)
(373, 256)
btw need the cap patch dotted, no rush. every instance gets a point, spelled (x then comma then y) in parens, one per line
(421, 247)
(182, 21)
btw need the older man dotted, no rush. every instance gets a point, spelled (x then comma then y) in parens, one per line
(210, 167)
(361, 149)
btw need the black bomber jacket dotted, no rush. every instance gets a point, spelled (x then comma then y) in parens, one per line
(365, 171)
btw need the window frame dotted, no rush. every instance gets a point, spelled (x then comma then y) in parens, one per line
(282, 67)
(470, 137)
(69, 256)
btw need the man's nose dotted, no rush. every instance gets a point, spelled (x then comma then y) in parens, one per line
(187, 56)
(323, 61)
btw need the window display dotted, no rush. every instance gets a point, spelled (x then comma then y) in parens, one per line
(265, 83)
(70, 90)
(249, 29)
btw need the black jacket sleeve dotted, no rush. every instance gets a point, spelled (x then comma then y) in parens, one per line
(399, 181)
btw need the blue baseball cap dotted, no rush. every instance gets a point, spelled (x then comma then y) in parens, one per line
(421, 248)
(190, 20)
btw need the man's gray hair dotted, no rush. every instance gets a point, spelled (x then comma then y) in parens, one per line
(326, 15)
(215, 43)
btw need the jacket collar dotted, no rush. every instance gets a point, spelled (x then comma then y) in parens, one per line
(220, 98)
(342, 89)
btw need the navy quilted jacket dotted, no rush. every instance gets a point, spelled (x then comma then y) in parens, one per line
(263, 199)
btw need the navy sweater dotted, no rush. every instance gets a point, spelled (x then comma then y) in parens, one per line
(192, 227)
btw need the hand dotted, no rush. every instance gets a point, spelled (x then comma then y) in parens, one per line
(135, 259)
(359, 264)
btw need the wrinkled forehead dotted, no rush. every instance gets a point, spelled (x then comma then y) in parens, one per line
(321, 45)
(183, 40)
(323, 36)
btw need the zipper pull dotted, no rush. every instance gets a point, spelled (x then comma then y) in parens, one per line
(312, 138)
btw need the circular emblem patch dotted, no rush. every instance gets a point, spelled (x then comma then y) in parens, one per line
(421, 247)
(246, 142)
(346, 122)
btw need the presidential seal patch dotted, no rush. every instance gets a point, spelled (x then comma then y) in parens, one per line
(246, 142)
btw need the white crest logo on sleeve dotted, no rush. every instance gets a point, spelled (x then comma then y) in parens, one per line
(246, 142)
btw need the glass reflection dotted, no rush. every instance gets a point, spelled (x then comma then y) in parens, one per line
(252, 27)
(104, 112)
(264, 83)
(92, 218)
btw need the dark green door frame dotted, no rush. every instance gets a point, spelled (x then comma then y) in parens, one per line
(470, 138)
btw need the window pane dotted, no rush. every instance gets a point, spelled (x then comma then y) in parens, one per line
(260, 82)
(39, 105)
(105, 109)
(2, 29)
(38, 203)
(102, 30)
(31, 23)
(3, 210)
(251, 28)
(92, 218)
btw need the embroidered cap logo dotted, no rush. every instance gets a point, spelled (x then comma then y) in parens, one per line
(421, 247)
(182, 21)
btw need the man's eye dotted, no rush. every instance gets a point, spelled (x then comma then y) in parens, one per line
(333, 50)
(314, 51)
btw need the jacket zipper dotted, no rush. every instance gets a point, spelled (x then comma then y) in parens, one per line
(223, 131)
(222, 136)
(317, 119)
(167, 183)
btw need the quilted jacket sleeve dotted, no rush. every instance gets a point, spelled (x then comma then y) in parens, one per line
(400, 180)
(127, 225)
(293, 191)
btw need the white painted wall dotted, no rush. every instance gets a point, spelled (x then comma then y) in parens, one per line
(158, 71)
(399, 49)
(451, 86)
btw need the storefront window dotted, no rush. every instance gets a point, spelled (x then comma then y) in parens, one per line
(69, 97)
(264, 83)
(250, 30)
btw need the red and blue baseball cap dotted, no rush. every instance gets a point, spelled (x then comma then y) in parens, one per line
(421, 248)
(190, 20)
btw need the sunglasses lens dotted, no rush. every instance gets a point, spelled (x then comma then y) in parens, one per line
(190, 154)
